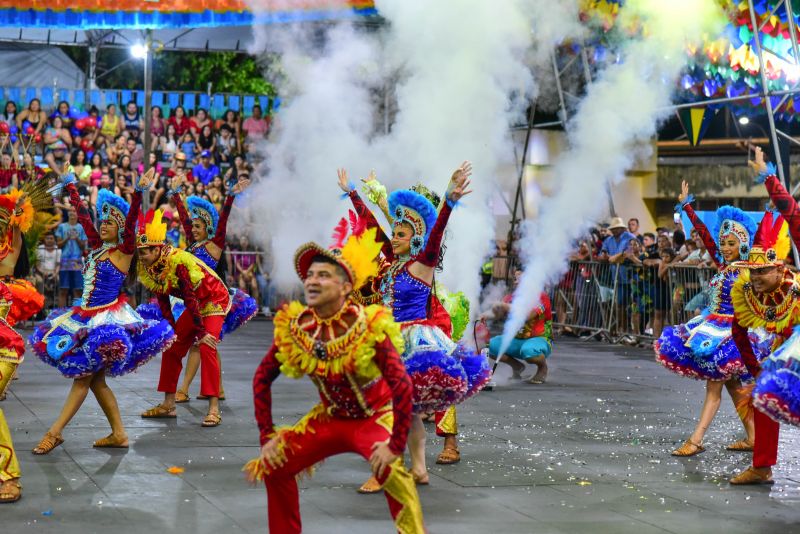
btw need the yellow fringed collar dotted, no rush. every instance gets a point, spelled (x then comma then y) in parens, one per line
(774, 311)
(161, 277)
(302, 352)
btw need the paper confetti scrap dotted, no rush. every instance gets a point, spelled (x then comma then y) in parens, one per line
(175, 470)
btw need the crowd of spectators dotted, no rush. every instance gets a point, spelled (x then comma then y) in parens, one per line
(105, 150)
(650, 280)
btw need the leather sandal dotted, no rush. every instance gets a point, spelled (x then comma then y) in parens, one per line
(181, 397)
(740, 446)
(111, 442)
(47, 444)
(448, 456)
(212, 419)
(752, 477)
(421, 480)
(689, 448)
(160, 412)
(10, 491)
(370, 486)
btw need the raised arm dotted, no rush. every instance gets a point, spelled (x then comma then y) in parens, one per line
(183, 214)
(780, 197)
(128, 245)
(266, 373)
(222, 225)
(363, 211)
(388, 361)
(83, 213)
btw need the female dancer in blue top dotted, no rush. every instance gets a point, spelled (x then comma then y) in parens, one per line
(102, 334)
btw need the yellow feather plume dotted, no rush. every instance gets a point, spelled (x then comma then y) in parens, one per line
(360, 254)
(783, 244)
(155, 231)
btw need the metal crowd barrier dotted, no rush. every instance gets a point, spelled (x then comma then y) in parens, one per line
(627, 303)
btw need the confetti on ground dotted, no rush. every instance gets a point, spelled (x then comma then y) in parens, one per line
(175, 470)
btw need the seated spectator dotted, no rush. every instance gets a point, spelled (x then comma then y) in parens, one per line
(135, 151)
(71, 239)
(180, 121)
(105, 182)
(63, 112)
(169, 144)
(45, 272)
(132, 120)
(206, 139)
(118, 149)
(96, 166)
(111, 126)
(125, 169)
(231, 119)
(57, 140)
(158, 126)
(34, 115)
(239, 167)
(123, 187)
(189, 146)
(227, 146)
(534, 341)
(256, 127)
(79, 165)
(9, 174)
(180, 166)
(205, 171)
(30, 171)
(9, 115)
(200, 120)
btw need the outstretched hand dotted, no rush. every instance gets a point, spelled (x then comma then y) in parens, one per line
(147, 179)
(372, 176)
(240, 186)
(757, 163)
(462, 173)
(344, 181)
(460, 191)
(684, 192)
(177, 181)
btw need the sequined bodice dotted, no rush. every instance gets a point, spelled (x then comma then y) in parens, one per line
(102, 280)
(200, 250)
(719, 301)
(406, 295)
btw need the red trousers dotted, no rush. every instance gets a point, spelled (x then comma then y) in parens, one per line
(317, 438)
(765, 448)
(172, 359)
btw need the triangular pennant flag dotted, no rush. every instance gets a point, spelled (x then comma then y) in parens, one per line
(695, 122)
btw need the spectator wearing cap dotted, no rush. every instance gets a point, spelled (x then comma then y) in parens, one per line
(205, 171)
(613, 251)
(180, 166)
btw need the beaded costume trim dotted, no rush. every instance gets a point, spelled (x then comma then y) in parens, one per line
(302, 353)
(775, 311)
(161, 277)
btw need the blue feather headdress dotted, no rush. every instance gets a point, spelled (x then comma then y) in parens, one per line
(733, 221)
(200, 208)
(113, 207)
(410, 207)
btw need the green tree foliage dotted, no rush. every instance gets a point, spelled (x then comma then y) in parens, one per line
(228, 72)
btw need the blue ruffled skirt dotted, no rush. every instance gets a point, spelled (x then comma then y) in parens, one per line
(777, 391)
(704, 349)
(443, 372)
(243, 308)
(116, 339)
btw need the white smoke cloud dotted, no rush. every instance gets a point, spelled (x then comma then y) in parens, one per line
(458, 63)
(622, 107)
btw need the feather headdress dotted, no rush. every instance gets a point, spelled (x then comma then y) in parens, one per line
(771, 243)
(733, 221)
(355, 248)
(152, 230)
(202, 209)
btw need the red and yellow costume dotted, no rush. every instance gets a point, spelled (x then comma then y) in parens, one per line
(777, 312)
(12, 347)
(365, 393)
(180, 274)
(14, 221)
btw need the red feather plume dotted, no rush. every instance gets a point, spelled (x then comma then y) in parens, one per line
(340, 233)
(358, 225)
(768, 230)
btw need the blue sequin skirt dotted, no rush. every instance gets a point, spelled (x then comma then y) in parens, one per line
(243, 308)
(443, 372)
(777, 391)
(704, 349)
(116, 339)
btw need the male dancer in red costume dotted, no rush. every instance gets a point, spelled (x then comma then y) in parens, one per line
(767, 296)
(352, 354)
(167, 271)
